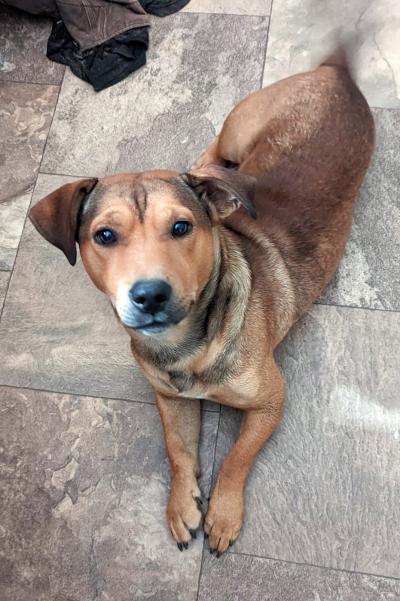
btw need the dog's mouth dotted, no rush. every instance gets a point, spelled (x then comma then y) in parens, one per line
(154, 327)
(150, 324)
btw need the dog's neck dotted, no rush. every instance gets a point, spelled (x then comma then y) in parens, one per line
(218, 315)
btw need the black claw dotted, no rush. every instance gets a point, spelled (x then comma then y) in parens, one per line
(230, 543)
(211, 551)
(180, 546)
(186, 545)
(193, 533)
(206, 535)
(199, 503)
(218, 554)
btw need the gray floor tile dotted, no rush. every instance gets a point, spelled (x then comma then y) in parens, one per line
(230, 7)
(23, 44)
(85, 486)
(303, 33)
(25, 115)
(324, 490)
(239, 577)
(4, 277)
(12, 218)
(369, 274)
(58, 332)
(198, 68)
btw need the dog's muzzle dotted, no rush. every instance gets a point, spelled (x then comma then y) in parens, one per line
(149, 307)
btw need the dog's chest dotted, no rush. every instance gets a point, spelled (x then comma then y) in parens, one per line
(239, 391)
(191, 386)
(180, 382)
(186, 384)
(196, 376)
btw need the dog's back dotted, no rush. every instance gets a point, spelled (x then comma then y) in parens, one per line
(313, 145)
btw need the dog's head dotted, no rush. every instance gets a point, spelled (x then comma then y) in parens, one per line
(148, 241)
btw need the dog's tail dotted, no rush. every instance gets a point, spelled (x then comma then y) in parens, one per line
(338, 58)
(343, 54)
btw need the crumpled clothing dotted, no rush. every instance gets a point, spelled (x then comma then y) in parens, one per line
(162, 8)
(105, 64)
(102, 41)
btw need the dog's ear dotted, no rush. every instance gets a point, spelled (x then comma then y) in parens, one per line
(56, 215)
(225, 190)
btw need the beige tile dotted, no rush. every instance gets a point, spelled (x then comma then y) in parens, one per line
(230, 7)
(4, 277)
(84, 494)
(237, 577)
(199, 66)
(324, 490)
(59, 331)
(25, 116)
(23, 45)
(369, 274)
(303, 33)
(12, 219)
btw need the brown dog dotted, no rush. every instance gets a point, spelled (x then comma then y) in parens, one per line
(205, 289)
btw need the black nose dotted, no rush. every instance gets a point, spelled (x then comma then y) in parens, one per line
(150, 296)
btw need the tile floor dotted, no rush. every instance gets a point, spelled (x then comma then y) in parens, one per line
(84, 474)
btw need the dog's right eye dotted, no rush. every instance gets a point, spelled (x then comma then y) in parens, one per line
(105, 237)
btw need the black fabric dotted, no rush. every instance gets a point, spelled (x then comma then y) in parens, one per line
(81, 26)
(103, 65)
(162, 8)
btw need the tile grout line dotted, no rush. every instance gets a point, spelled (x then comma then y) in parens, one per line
(67, 175)
(266, 45)
(385, 108)
(88, 396)
(52, 119)
(212, 478)
(313, 565)
(32, 193)
(33, 83)
(211, 14)
(58, 85)
(355, 307)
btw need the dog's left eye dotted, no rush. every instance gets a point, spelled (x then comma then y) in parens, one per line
(105, 237)
(181, 228)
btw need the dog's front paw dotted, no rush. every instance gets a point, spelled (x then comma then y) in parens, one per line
(183, 513)
(224, 518)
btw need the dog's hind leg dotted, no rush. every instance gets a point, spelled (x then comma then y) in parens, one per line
(181, 422)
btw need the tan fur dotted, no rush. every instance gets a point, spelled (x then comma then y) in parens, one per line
(297, 152)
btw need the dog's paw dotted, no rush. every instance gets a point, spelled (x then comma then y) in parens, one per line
(183, 513)
(224, 519)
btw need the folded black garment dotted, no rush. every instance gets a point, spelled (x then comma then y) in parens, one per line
(105, 64)
(162, 8)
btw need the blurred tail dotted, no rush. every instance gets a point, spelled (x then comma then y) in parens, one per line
(338, 58)
(343, 54)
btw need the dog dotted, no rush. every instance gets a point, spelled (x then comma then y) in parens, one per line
(207, 270)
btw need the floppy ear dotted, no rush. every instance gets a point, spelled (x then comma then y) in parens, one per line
(56, 215)
(224, 189)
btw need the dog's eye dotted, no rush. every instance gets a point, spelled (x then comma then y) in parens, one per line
(181, 228)
(105, 237)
